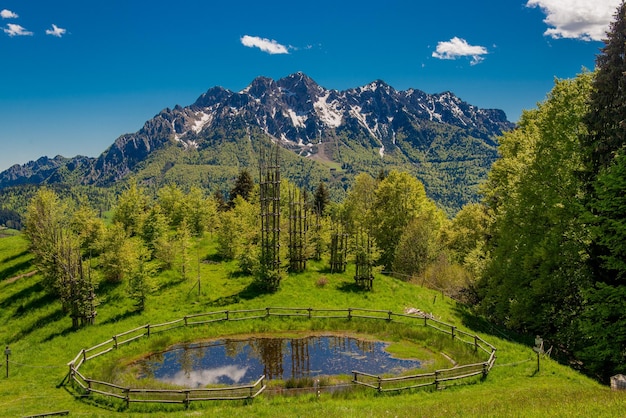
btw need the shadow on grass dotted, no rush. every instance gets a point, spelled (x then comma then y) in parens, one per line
(251, 291)
(55, 316)
(63, 333)
(16, 269)
(479, 324)
(14, 257)
(121, 316)
(25, 293)
(31, 305)
(351, 287)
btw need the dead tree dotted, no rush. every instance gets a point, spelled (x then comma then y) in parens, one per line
(364, 259)
(338, 245)
(270, 272)
(298, 228)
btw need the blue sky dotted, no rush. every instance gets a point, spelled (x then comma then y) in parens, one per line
(76, 74)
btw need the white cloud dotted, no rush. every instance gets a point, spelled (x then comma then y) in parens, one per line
(456, 48)
(16, 30)
(266, 45)
(56, 31)
(578, 19)
(7, 14)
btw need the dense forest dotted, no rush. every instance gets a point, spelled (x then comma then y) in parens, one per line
(544, 252)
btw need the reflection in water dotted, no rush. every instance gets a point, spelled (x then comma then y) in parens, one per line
(243, 361)
(200, 378)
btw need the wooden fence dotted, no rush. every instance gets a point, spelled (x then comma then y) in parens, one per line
(251, 391)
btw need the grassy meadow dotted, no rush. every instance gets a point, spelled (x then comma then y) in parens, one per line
(42, 342)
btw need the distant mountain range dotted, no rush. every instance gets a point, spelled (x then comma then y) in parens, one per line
(332, 135)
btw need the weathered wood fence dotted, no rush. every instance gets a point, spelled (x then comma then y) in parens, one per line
(185, 396)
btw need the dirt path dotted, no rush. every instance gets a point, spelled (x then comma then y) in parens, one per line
(16, 278)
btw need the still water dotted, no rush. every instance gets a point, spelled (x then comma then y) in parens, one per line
(232, 361)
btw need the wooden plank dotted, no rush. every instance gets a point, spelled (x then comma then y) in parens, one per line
(131, 331)
(411, 377)
(204, 314)
(111, 385)
(367, 384)
(156, 400)
(421, 385)
(248, 317)
(48, 414)
(208, 321)
(100, 353)
(109, 341)
(167, 323)
(101, 392)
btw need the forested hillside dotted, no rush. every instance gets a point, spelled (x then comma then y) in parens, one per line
(554, 264)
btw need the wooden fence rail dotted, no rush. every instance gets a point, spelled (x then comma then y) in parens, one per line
(251, 391)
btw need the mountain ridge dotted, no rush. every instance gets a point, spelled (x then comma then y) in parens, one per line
(361, 124)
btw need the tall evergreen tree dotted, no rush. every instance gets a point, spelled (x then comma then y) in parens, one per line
(320, 199)
(606, 118)
(243, 186)
(604, 319)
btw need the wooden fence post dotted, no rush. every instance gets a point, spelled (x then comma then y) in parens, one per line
(148, 330)
(437, 379)
(310, 309)
(389, 316)
(115, 341)
(452, 328)
(380, 384)
(226, 312)
(349, 313)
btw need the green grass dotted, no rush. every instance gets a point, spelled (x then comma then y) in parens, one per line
(42, 343)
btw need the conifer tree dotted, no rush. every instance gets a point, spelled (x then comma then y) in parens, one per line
(606, 118)
(604, 319)
(243, 186)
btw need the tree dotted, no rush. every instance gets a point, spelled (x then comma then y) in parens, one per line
(321, 198)
(45, 221)
(607, 105)
(131, 209)
(399, 199)
(604, 175)
(139, 273)
(243, 186)
(536, 265)
(419, 244)
(58, 256)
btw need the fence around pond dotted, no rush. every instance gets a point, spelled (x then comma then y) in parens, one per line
(185, 396)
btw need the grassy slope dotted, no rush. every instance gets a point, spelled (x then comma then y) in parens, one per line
(42, 343)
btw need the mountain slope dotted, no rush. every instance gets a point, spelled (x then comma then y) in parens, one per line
(447, 143)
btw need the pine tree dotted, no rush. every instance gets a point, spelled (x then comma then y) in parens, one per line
(604, 320)
(320, 199)
(243, 186)
(606, 119)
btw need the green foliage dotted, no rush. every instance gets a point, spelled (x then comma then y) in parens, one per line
(321, 199)
(131, 209)
(399, 199)
(537, 251)
(243, 186)
(609, 223)
(607, 104)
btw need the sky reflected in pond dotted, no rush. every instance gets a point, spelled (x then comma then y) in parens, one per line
(233, 361)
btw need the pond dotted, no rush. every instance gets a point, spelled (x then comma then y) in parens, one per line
(239, 362)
